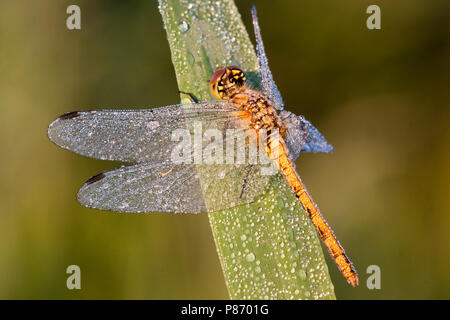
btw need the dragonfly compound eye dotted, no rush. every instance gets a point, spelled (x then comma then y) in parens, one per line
(226, 81)
(216, 85)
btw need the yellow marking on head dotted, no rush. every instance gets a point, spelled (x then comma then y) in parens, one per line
(215, 85)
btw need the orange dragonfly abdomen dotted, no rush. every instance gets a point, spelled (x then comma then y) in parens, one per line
(278, 153)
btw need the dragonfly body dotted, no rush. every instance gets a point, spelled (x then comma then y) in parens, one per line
(229, 83)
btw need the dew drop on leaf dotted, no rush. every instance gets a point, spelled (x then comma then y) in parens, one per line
(183, 26)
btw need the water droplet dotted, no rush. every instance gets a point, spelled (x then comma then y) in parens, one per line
(190, 58)
(243, 237)
(185, 100)
(280, 203)
(183, 26)
(250, 257)
(302, 275)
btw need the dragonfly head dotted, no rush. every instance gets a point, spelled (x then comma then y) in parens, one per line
(226, 81)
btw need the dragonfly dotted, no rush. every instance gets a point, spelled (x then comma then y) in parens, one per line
(154, 181)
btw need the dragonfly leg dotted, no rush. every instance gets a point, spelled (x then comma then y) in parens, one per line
(244, 185)
(193, 98)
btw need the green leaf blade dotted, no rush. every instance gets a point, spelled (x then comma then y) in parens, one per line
(268, 249)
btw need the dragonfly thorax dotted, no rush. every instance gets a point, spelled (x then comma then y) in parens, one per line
(229, 83)
(263, 115)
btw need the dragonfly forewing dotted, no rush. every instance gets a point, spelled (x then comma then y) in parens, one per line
(144, 135)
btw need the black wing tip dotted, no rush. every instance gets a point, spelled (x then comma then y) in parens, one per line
(52, 129)
(69, 115)
(95, 178)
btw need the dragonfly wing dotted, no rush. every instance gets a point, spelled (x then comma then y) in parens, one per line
(227, 186)
(144, 135)
(181, 188)
(159, 182)
(145, 188)
(315, 141)
(269, 88)
(303, 136)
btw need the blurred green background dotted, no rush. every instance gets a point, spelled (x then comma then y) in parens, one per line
(380, 97)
